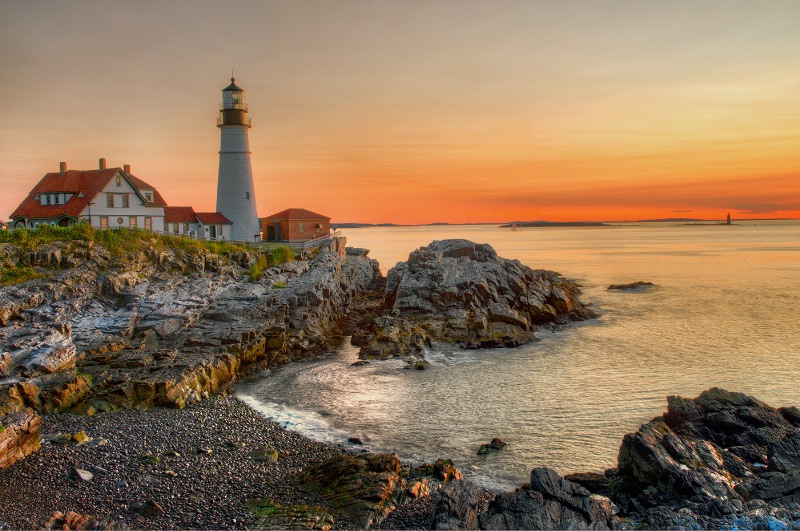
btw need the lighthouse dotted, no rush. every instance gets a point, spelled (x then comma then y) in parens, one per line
(236, 198)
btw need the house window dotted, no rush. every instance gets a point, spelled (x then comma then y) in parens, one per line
(318, 227)
(125, 201)
(148, 223)
(175, 228)
(148, 197)
(103, 222)
(186, 228)
(110, 200)
(119, 180)
(133, 222)
(302, 227)
(44, 199)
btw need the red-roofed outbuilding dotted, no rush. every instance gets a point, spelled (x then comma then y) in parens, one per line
(295, 224)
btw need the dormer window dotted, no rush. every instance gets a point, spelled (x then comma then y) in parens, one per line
(148, 196)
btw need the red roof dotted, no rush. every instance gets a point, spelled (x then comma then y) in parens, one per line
(213, 218)
(157, 201)
(88, 182)
(296, 213)
(176, 214)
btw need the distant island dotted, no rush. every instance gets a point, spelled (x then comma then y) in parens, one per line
(554, 224)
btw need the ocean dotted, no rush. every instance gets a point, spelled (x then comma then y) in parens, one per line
(724, 311)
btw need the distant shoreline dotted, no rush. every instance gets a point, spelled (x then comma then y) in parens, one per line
(545, 223)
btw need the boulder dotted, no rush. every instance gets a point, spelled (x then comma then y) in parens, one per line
(547, 502)
(718, 460)
(494, 446)
(461, 292)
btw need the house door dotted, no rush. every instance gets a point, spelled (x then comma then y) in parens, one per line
(212, 232)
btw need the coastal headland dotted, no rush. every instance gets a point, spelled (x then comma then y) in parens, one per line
(116, 363)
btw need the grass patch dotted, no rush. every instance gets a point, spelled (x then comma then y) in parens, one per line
(18, 275)
(274, 257)
(118, 242)
(279, 285)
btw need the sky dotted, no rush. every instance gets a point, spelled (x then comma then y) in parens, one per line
(418, 111)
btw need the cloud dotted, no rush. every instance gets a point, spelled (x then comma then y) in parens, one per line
(767, 208)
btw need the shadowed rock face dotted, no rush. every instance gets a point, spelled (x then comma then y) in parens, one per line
(720, 455)
(547, 502)
(461, 292)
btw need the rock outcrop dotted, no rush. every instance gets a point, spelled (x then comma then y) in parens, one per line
(722, 459)
(547, 502)
(163, 328)
(460, 292)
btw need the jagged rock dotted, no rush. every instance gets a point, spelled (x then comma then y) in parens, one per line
(458, 507)
(594, 482)
(549, 502)
(19, 436)
(494, 446)
(394, 337)
(784, 455)
(359, 489)
(442, 469)
(632, 286)
(457, 291)
(703, 464)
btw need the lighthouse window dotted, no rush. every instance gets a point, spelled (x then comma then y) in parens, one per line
(247, 195)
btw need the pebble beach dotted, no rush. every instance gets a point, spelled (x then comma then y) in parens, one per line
(193, 468)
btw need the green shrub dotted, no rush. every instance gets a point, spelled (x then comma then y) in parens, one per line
(281, 255)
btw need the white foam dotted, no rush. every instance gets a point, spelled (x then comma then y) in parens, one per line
(307, 423)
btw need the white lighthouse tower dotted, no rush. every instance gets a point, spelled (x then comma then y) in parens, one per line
(236, 198)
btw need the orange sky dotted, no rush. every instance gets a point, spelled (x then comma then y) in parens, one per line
(419, 112)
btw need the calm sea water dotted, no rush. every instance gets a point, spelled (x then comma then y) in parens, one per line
(725, 311)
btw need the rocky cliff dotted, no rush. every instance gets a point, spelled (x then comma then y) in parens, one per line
(161, 328)
(461, 292)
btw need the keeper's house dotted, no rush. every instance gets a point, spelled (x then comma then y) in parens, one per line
(294, 225)
(105, 197)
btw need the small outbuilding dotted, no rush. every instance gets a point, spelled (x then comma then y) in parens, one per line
(184, 221)
(294, 225)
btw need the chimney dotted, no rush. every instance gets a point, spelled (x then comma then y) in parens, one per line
(63, 167)
(102, 164)
(127, 169)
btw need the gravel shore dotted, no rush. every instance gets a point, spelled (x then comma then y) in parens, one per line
(193, 463)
